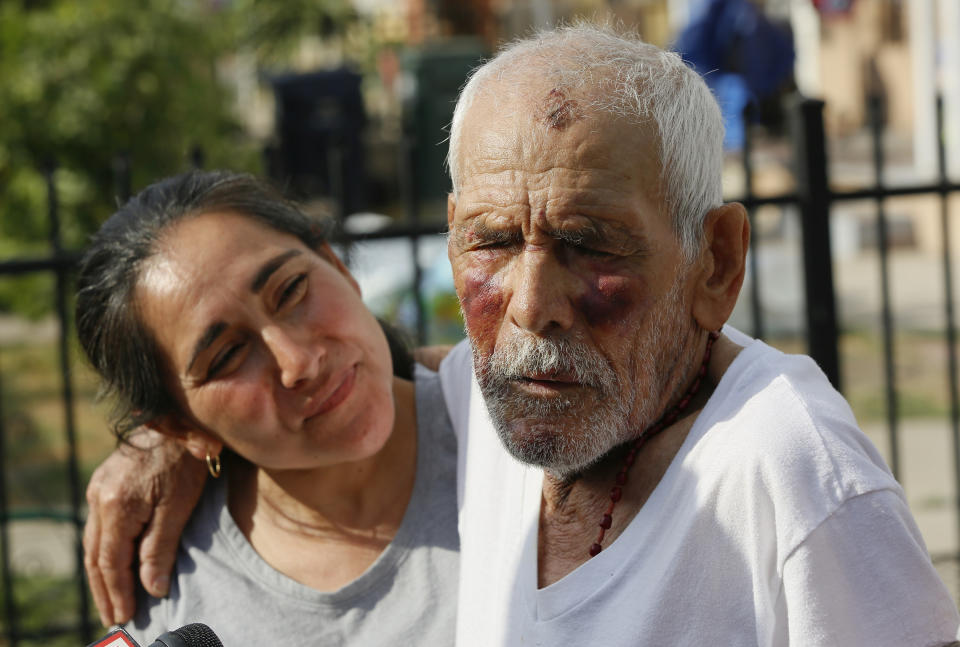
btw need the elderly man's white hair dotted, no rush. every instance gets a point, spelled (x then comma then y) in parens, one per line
(630, 78)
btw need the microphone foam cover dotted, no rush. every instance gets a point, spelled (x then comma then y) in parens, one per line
(198, 635)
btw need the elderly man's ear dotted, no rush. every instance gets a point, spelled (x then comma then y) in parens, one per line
(726, 238)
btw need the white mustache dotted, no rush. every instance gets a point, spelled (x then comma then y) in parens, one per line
(523, 356)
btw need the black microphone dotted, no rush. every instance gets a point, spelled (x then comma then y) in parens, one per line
(192, 635)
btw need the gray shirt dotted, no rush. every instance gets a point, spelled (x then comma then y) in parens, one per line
(406, 597)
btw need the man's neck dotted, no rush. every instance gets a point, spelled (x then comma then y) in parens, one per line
(570, 510)
(572, 506)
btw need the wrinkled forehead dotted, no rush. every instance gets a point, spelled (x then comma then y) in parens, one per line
(537, 127)
(523, 106)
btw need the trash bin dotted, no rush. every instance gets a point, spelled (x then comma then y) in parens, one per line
(437, 72)
(319, 125)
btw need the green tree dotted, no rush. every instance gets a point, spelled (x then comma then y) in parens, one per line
(84, 80)
(275, 28)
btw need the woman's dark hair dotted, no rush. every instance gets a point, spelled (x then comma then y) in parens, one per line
(111, 333)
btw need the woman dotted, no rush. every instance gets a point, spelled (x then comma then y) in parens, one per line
(217, 314)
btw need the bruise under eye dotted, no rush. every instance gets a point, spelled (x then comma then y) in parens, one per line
(608, 301)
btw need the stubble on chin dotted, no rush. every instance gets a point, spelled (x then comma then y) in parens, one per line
(566, 431)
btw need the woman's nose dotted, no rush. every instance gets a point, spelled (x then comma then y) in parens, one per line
(298, 360)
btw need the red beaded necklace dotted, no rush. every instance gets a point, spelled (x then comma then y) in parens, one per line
(668, 419)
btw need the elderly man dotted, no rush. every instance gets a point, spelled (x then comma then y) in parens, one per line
(684, 492)
(674, 484)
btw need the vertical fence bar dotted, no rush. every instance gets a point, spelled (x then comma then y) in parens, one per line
(875, 107)
(814, 201)
(121, 177)
(198, 158)
(421, 323)
(755, 310)
(337, 183)
(411, 204)
(9, 604)
(67, 393)
(951, 332)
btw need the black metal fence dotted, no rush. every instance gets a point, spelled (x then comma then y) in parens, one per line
(812, 197)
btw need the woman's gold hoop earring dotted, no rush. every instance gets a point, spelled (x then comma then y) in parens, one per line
(213, 464)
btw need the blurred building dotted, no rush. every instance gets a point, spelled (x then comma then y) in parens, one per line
(413, 54)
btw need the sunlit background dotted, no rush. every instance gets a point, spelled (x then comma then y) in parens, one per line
(345, 104)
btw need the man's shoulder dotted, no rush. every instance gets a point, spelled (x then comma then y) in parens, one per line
(456, 376)
(779, 389)
(776, 433)
(781, 415)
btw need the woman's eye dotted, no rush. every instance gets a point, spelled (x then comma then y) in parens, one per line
(224, 360)
(292, 291)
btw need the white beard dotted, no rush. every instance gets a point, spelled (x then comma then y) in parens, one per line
(567, 433)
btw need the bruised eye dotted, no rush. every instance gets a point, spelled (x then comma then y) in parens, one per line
(583, 245)
(506, 242)
(496, 244)
(590, 251)
(225, 360)
(494, 240)
(292, 290)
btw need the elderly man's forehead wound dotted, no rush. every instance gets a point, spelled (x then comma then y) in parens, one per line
(558, 111)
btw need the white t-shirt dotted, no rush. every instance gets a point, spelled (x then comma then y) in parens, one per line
(777, 523)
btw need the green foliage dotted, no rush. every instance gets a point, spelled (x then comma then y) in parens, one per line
(275, 28)
(87, 80)
(29, 295)
(84, 80)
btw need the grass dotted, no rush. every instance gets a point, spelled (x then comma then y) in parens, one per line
(48, 604)
(34, 420)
